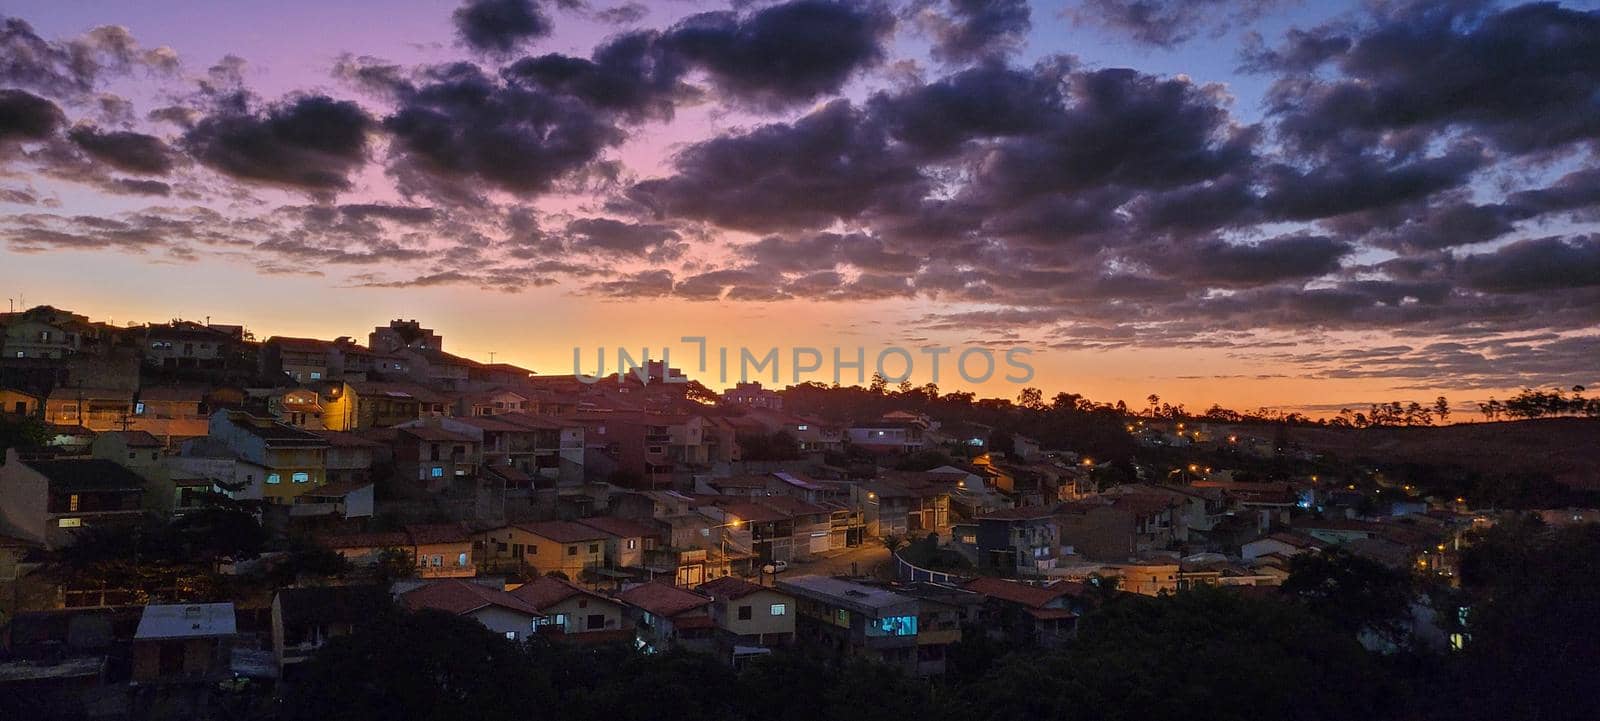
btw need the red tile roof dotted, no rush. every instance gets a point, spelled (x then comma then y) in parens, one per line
(661, 599)
(460, 597)
(562, 531)
(394, 539)
(620, 527)
(729, 588)
(1021, 593)
(546, 591)
(430, 433)
(425, 534)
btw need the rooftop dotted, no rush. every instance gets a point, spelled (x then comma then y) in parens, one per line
(662, 599)
(729, 588)
(563, 531)
(620, 527)
(201, 620)
(849, 594)
(1022, 593)
(461, 597)
(546, 591)
(86, 474)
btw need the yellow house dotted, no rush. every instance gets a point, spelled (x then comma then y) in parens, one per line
(548, 546)
(16, 403)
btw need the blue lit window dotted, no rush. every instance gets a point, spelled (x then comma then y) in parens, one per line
(896, 626)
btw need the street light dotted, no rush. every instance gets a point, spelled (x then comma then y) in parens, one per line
(724, 538)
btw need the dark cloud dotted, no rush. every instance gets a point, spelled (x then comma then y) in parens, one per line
(614, 237)
(1536, 264)
(644, 284)
(311, 142)
(625, 14)
(784, 54)
(1167, 23)
(407, 214)
(465, 129)
(1359, 182)
(136, 186)
(828, 165)
(124, 150)
(983, 102)
(72, 67)
(967, 30)
(1523, 78)
(500, 26)
(631, 74)
(25, 116)
(1295, 257)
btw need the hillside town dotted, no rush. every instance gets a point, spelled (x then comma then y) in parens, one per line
(183, 505)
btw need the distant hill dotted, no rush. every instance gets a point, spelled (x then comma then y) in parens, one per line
(1567, 448)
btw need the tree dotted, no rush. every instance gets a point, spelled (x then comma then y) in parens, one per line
(1441, 409)
(1031, 399)
(424, 665)
(894, 543)
(1353, 593)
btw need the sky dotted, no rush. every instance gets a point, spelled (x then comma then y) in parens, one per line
(1296, 205)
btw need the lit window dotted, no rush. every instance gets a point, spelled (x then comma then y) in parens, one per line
(461, 559)
(896, 626)
(633, 543)
(72, 503)
(779, 609)
(301, 477)
(273, 479)
(69, 522)
(802, 428)
(511, 635)
(438, 561)
(316, 375)
(438, 472)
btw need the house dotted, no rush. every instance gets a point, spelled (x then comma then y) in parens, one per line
(298, 407)
(908, 504)
(666, 617)
(184, 642)
(573, 613)
(538, 445)
(292, 461)
(1023, 613)
(44, 332)
(97, 409)
(889, 435)
(305, 360)
(356, 404)
(138, 451)
(47, 502)
(752, 395)
(1283, 543)
(349, 457)
(170, 411)
(497, 610)
(305, 619)
(626, 540)
(751, 620)
(854, 619)
(186, 344)
(1019, 540)
(20, 404)
(546, 546)
(434, 456)
(443, 550)
(341, 499)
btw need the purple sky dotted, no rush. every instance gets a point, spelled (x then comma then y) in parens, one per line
(1261, 203)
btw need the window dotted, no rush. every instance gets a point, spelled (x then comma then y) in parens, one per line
(516, 550)
(595, 622)
(633, 543)
(69, 523)
(802, 427)
(317, 376)
(138, 408)
(744, 613)
(437, 472)
(438, 560)
(131, 455)
(594, 548)
(273, 479)
(300, 477)
(779, 609)
(511, 635)
(72, 503)
(572, 550)
(461, 559)
(895, 626)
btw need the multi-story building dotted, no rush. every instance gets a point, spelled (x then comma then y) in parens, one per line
(546, 546)
(751, 620)
(292, 461)
(1019, 540)
(854, 619)
(48, 501)
(186, 344)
